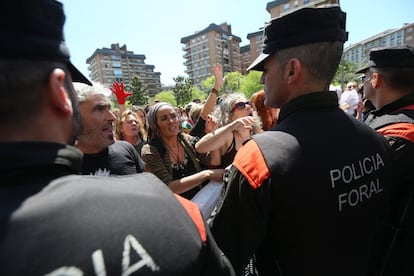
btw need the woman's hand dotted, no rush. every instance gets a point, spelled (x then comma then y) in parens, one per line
(215, 174)
(218, 75)
(243, 123)
(211, 124)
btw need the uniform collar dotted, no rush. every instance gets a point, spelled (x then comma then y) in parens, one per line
(20, 155)
(311, 101)
(395, 105)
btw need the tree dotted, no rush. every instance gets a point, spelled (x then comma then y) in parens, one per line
(345, 73)
(233, 81)
(166, 96)
(250, 84)
(208, 83)
(198, 94)
(182, 90)
(139, 95)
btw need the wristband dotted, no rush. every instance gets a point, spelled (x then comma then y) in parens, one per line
(214, 91)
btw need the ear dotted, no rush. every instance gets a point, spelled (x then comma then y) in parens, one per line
(57, 92)
(375, 80)
(292, 70)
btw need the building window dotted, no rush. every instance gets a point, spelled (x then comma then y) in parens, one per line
(118, 72)
(116, 64)
(286, 6)
(296, 3)
(305, 1)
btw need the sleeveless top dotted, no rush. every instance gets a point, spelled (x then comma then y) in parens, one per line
(228, 157)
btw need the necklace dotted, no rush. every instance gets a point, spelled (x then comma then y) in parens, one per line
(175, 154)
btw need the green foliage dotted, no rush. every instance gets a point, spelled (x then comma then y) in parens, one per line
(208, 83)
(166, 96)
(197, 94)
(250, 84)
(345, 73)
(182, 90)
(139, 95)
(233, 80)
(236, 82)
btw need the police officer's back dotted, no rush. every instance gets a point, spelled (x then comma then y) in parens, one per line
(389, 85)
(53, 221)
(308, 196)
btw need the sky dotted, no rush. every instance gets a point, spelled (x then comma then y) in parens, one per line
(155, 28)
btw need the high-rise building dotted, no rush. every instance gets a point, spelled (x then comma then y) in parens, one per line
(215, 44)
(358, 53)
(244, 58)
(277, 9)
(107, 65)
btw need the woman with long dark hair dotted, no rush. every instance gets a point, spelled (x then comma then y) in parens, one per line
(171, 156)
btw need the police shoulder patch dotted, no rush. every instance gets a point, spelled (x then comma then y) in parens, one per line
(250, 162)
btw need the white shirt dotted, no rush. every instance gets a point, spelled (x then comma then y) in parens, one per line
(349, 101)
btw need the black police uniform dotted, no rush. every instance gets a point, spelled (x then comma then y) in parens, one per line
(54, 221)
(396, 122)
(307, 196)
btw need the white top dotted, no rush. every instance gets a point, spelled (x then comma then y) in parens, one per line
(348, 101)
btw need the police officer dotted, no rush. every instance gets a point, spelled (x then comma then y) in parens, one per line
(389, 85)
(306, 197)
(54, 221)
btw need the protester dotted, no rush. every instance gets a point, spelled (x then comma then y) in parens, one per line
(206, 123)
(171, 156)
(53, 221)
(237, 121)
(307, 196)
(142, 115)
(118, 89)
(101, 153)
(268, 115)
(389, 86)
(130, 128)
(350, 99)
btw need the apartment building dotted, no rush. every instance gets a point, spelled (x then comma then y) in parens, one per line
(107, 65)
(205, 48)
(244, 58)
(358, 53)
(277, 9)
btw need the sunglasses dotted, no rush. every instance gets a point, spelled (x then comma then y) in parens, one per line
(241, 105)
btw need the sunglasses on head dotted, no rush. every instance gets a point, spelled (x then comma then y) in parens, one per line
(241, 105)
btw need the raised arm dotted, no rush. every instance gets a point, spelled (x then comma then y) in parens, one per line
(212, 97)
(222, 136)
(119, 90)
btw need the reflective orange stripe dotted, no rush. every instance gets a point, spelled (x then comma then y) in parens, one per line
(250, 162)
(402, 130)
(194, 212)
(410, 107)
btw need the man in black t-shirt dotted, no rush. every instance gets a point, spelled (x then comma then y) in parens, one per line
(54, 221)
(102, 154)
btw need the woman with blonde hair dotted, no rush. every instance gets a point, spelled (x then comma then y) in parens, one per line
(237, 121)
(130, 128)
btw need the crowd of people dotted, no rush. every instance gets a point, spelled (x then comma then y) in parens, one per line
(314, 183)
